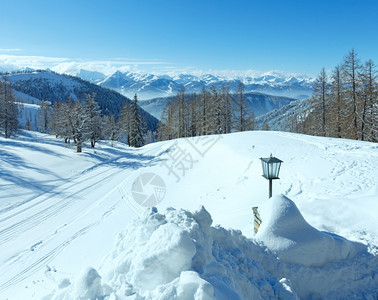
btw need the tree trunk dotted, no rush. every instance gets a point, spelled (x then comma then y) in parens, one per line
(78, 146)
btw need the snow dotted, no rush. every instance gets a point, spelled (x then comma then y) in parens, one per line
(60, 213)
(149, 86)
(44, 76)
(287, 233)
(179, 255)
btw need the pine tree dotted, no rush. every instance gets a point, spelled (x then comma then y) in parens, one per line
(136, 135)
(350, 72)
(167, 127)
(203, 124)
(215, 113)
(80, 125)
(226, 109)
(124, 122)
(8, 110)
(337, 108)
(193, 115)
(241, 109)
(110, 129)
(370, 102)
(93, 123)
(180, 103)
(62, 120)
(319, 102)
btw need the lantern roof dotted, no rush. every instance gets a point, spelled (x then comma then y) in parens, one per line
(271, 160)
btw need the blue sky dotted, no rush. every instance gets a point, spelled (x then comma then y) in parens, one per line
(291, 36)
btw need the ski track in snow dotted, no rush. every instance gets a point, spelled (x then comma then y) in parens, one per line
(32, 213)
(48, 257)
(61, 204)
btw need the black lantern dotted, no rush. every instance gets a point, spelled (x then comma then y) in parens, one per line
(271, 168)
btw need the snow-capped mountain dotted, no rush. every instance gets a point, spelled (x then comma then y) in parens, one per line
(149, 86)
(91, 76)
(146, 86)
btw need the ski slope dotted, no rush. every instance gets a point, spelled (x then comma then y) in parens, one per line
(61, 211)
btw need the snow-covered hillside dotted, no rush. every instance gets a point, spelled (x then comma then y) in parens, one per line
(34, 86)
(285, 118)
(69, 228)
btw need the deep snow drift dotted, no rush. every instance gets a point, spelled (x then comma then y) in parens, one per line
(60, 212)
(286, 232)
(178, 255)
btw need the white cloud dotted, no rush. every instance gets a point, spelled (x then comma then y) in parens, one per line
(72, 66)
(108, 67)
(24, 61)
(10, 50)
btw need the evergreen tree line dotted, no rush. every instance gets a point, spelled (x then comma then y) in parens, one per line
(52, 87)
(213, 111)
(344, 103)
(81, 121)
(8, 110)
(78, 121)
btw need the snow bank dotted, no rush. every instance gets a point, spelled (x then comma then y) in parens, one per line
(179, 255)
(286, 233)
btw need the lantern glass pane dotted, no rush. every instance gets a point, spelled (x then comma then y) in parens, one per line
(275, 170)
(278, 168)
(270, 170)
(265, 169)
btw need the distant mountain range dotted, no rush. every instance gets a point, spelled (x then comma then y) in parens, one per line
(149, 86)
(268, 105)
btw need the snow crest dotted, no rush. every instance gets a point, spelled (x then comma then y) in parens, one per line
(179, 255)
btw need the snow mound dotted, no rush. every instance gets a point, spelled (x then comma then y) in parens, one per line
(179, 255)
(286, 233)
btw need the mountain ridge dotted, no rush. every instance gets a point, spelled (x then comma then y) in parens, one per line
(149, 86)
(156, 85)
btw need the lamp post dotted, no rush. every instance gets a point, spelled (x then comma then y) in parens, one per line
(271, 168)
